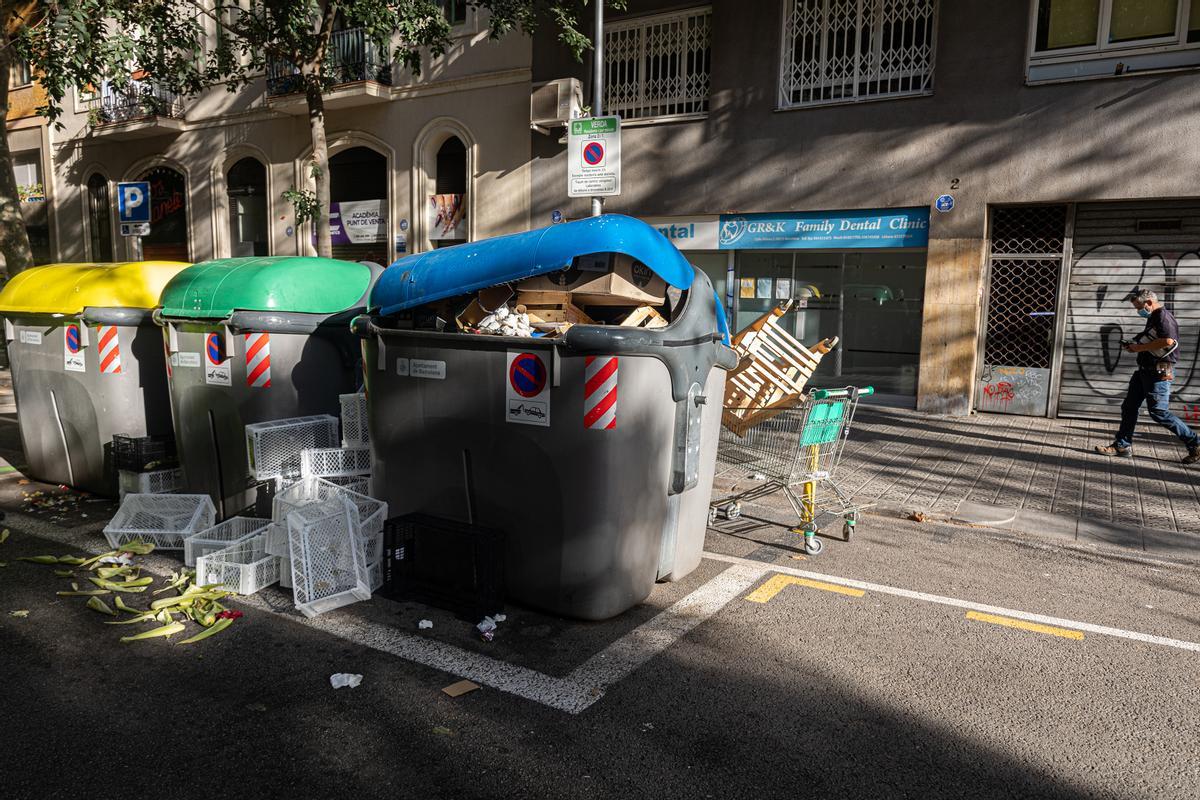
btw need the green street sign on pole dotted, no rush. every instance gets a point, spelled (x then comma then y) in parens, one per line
(594, 157)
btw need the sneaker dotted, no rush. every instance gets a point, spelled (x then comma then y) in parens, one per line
(1119, 452)
(1193, 456)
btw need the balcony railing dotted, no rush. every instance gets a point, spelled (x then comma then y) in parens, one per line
(134, 101)
(352, 56)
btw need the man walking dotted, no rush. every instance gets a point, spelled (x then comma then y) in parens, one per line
(1157, 349)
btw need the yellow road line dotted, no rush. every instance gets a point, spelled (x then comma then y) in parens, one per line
(778, 583)
(1065, 633)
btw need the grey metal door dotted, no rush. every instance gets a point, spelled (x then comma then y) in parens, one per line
(1024, 267)
(1117, 248)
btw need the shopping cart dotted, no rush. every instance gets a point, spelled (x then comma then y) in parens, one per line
(795, 451)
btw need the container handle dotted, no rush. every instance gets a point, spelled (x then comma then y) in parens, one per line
(849, 391)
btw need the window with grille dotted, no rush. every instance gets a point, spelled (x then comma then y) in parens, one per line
(658, 66)
(838, 51)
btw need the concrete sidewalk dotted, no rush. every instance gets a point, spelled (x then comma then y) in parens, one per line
(1029, 475)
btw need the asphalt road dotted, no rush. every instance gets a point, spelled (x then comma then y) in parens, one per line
(831, 688)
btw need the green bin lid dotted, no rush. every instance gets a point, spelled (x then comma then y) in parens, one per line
(298, 284)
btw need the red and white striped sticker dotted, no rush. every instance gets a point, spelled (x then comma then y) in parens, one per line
(110, 349)
(258, 360)
(600, 393)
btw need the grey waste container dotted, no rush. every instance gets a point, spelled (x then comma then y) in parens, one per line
(252, 340)
(87, 363)
(594, 452)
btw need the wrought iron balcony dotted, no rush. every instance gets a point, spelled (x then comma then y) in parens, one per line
(136, 101)
(353, 56)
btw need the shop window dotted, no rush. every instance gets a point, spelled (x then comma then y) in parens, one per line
(447, 211)
(358, 214)
(871, 300)
(658, 66)
(246, 185)
(1099, 38)
(168, 239)
(99, 218)
(838, 51)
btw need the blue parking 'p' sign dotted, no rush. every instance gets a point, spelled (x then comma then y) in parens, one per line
(133, 201)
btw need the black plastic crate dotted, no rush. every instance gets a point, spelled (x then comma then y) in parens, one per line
(143, 453)
(445, 564)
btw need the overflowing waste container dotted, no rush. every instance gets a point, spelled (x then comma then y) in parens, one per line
(87, 363)
(585, 428)
(252, 340)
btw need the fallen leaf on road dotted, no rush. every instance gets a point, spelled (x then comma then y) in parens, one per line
(4, 535)
(22, 613)
(799, 558)
(917, 516)
(440, 731)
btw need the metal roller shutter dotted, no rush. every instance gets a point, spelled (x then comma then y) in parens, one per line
(1116, 248)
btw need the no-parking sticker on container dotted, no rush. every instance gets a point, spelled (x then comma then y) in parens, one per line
(216, 361)
(73, 349)
(527, 390)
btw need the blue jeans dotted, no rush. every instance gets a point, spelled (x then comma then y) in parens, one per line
(1143, 388)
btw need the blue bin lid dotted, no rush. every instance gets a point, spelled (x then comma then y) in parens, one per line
(425, 277)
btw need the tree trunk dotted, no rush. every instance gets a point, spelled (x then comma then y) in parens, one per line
(14, 239)
(320, 162)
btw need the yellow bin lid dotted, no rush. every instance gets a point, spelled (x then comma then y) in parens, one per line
(69, 288)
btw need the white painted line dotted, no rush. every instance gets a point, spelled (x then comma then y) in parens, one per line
(650, 638)
(572, 694)
(1103, 630)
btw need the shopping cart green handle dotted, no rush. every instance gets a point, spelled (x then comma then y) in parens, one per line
(849, 391)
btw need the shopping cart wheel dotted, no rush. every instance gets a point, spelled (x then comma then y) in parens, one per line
(813, 545)
(731, 510)
(712, 515)
(847, 530)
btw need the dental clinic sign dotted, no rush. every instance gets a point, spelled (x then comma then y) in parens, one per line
(894, 227)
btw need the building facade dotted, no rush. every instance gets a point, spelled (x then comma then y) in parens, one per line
(777, 142)
(29, 142)
(415, 161)
(964, 192)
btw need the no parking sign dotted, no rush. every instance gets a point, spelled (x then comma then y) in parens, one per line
(73, 349)
(526, 389)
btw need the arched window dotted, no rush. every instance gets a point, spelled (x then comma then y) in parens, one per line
(168, 239)
(448, 204)
(246, 186)
(358, 197)
(99, 218)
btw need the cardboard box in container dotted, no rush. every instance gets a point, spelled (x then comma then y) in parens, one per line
(602, 279)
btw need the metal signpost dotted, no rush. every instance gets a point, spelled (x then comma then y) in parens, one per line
(133, 212)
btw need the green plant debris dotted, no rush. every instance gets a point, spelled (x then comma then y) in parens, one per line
(214, 628)
(84, 593)
(120, 604)
(24, 612)
(39, 559)
(74, 561)
(169, 629)
(64, 573)
(96, 604)
(4, 536)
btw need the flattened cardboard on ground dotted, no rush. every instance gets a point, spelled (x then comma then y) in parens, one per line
(459, 688)
(603, 279)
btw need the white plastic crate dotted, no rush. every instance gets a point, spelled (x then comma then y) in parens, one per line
(371, 512)
(220, 536)
(335, 462)
(274, 447)
(328, 570)
(354, 420)
(163, 520)
(285, 572)
(159, 481)
(243, 568)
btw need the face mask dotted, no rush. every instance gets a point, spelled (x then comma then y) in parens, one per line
(1143, 313)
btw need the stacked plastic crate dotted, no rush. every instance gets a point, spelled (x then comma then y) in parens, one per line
(145, 465)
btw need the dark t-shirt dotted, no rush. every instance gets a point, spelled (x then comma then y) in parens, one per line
(1161, 325)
